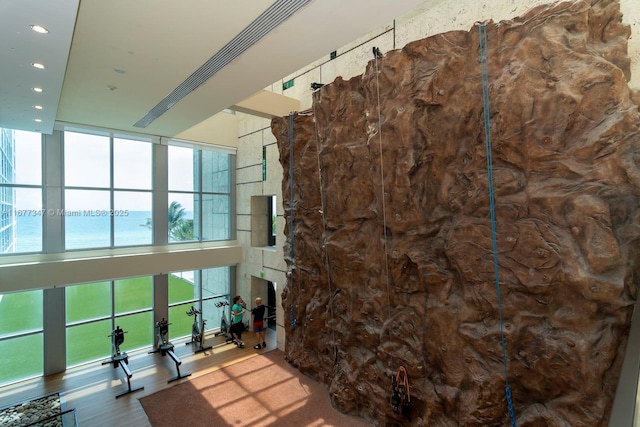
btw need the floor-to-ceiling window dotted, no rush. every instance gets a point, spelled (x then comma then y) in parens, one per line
(88, 316)
(200, 289)
(105, 185)
(93, 310)
(108, 191)
(21, 207)
(216, 286)
(215, 177)
(21, 335)
(199, 200)
(21, 225)
(133, 307)
(132, 198)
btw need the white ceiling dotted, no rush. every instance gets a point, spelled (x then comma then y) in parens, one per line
(108, 63)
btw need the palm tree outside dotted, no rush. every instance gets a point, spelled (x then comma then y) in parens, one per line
(182, 231)
(176, 214)
(180, 228)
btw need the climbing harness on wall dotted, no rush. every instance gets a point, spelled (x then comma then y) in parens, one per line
(291, 228)
(400, 395)
(484, 65)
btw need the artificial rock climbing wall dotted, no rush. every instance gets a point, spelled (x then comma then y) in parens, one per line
(389, 235)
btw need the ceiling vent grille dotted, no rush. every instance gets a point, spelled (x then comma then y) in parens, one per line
(275, 15)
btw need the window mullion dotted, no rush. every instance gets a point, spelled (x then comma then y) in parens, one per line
(200, 179)
(111, 195)
(113, 304)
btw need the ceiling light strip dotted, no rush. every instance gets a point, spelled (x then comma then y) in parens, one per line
(275, 15)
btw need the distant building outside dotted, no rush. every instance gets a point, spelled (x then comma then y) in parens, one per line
(7, 194)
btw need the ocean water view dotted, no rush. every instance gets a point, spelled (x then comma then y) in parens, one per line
(86, 229)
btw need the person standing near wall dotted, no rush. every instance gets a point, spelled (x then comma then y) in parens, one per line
(237, 325)
(258, 323)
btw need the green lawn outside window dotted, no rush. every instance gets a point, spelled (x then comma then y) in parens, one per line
(21, 358)
(88, 339)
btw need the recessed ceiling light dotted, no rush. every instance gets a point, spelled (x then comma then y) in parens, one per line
(37, 89)
(37, 65)
(37, 120)
(39, 29)
(38, 107)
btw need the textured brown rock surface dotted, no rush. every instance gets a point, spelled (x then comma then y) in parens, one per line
(408, 279)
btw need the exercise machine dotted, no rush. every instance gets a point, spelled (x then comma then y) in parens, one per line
(197, 330)
(224, 323)
(164, 347)
(120, 358)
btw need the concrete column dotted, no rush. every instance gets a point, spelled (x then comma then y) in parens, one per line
(53, 237)
(160, 196)
(55, 342)
(53, 300)
(160, 301)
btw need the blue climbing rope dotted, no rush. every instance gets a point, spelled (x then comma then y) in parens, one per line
(291, 210)
(484, 65)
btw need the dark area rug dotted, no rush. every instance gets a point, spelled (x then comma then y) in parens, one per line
(262, 391)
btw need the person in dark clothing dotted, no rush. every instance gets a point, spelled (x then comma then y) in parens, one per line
(258, 323)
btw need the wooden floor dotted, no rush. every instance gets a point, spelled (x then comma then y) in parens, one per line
(91, 389)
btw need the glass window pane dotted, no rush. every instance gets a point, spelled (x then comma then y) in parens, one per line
(216, 219)
(211, 314)
(215, 172)
(135, 293)
(214, 316)
(215, 289)
(86, 160)
(7, 156)
(215, 282)
(21, 358)
(181, 209)
(131, 210)
(181, 287)
(90, 301)
(180, 321)
(21, 219)
(139, 328)
(87, 219)
(20, 157)
(131, 164)
(88, 342)
(20, 312)
(8, 218)
(181, 168)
